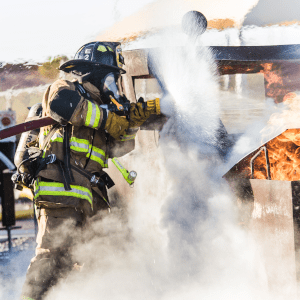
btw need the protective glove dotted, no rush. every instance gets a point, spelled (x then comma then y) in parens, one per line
(116, 126)
(138, 115)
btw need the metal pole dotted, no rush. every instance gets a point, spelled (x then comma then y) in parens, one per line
(8, 228)
(267, 162)
(264, 148)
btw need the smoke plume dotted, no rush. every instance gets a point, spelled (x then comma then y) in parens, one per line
(177, 237)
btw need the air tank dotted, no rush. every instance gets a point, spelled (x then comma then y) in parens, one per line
(27, 137)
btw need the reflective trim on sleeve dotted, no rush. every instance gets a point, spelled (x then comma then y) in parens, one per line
(98, 155)
(57, 189)
(128, 137)
(93, 115)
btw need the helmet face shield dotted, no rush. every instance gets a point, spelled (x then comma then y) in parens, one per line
(109, 85)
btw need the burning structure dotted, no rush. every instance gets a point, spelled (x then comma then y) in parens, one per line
(267, 178)
(272, 217)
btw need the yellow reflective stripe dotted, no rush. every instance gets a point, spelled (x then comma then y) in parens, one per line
(98, 150)
(110, 49)
(80, 145)
(36, 184)
(98, 155)
(57, 189)
(128, 137)
(79, 149)
(59, 184)
(58, 139)
(84, 146)
(97, 118)
(89, 114)
(26, 298)
(98, 160)
(93, 115)
(79, 141)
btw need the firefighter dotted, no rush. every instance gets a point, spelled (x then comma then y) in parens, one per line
(66, 193)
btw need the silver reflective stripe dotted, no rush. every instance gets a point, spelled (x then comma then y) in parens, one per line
(102, 157)
(80, 147)
(57, 189)
(93, 117)
(83, 146)
(60, 189)
(98, 155)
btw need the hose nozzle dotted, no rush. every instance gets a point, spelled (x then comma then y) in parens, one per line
(153, 106)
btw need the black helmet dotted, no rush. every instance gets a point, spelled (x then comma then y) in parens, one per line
(106, 56)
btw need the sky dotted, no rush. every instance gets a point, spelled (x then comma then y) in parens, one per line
(271, 11)
(32, 30)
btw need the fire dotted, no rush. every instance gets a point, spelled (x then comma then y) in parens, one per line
(289, 97)
(284, 157)
(274, 85)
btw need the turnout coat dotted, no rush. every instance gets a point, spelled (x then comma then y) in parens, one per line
(95, 135)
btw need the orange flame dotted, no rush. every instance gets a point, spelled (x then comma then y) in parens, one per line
(289, 96)
(274, 84)
(284, 157)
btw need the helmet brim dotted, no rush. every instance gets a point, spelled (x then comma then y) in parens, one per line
(76, 64)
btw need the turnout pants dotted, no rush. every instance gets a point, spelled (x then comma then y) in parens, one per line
(59, 230)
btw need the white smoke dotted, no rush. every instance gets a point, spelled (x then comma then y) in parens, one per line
(178, 235)
(194, 90)
(252, 136)
(270, 35)
(273, 120)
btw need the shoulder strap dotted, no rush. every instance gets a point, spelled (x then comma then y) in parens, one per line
(50, 135)
(82, 91)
